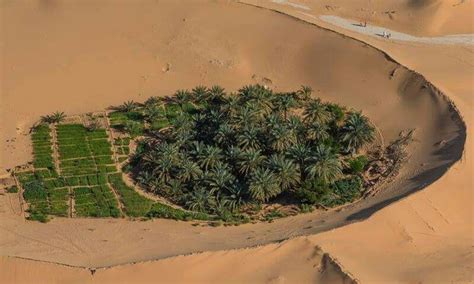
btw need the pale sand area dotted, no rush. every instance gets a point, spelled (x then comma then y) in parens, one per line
(297, 261)
(424, 18)
(364, 28)
(398, 230)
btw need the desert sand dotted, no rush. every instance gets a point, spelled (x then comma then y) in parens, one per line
(157, 47)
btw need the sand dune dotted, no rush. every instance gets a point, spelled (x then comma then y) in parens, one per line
(299, 261)
(417, 17)
(129, 63)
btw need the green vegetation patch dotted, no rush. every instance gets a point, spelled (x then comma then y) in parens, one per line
(224, 151)
(42, 147)
(83, 151)
(12, 189)
(95, 201)
(159, 210)
(135, 204)
(44, 197)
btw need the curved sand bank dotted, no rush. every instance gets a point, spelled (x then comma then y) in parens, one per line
(297, 261)
(306, 57)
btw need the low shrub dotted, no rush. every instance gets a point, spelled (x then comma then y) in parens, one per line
(358, 164)
(12, 189)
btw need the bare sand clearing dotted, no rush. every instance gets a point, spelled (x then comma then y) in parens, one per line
(153, 48)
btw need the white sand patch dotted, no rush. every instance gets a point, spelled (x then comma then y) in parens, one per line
(467, 39)
(294, 5)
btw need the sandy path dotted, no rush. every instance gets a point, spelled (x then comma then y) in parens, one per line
(371, 30)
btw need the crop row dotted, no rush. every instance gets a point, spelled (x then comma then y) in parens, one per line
(95, 201)
(122, 145)
(42, 147)
(86, 180)
(135, 204)
(83, 151)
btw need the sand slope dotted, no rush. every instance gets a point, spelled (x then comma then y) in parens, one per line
(424, 226)
(299, 261)
(417, 17)
(428, 236)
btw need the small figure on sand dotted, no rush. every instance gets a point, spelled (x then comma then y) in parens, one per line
(386, 35)
(365, 24)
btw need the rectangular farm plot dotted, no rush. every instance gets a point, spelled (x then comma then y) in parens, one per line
(42, 147)
(122, 148)
(87, 175)
(95, 201)
(84, 152)
(44, 197)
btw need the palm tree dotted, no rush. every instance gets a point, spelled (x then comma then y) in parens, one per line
(128, 106)
(324, 165)
(295, 123)
(247, 92)
(181, 97)
(263, 185)
(225, 135)
(198, 200)
(316, 112)
(304, 93)
(209, 157)
(233, 154)
(55, 117)
(284, 103)
(285, 170)
(58, 116)
(245, 116)
(261, 103)
(235, 198)
(200, 94)
(232, 105)
(317, 132)
(282, 138)
(189, 171)
(356, 132)
(273, 120)
(216, 94)
(299, 153)
(152, 101)
(164, 168)
(173, 189)
(220, 178)
(248, 138)
(152, 112)
(249, 160)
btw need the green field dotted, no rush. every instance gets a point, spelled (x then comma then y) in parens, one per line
(85, 173)
(95, 201)
(135, 204)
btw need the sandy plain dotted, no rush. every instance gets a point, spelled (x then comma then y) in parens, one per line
(79, 66)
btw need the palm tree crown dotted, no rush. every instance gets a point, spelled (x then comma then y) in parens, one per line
(223, 151)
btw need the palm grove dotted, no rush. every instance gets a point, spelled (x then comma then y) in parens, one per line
(222, 153)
